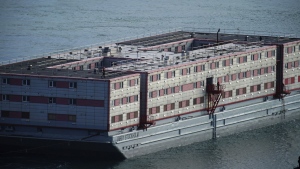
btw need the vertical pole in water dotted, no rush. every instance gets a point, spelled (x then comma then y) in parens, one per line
(214, 126)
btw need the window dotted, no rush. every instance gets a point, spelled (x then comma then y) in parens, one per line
(255, 88)
(52, 100)
(241, 91)
(227, 94)
(165, 91)
(4, 113)
(113, 103)
(181, 71)
(294, 49)
(136, 98)
(136, 81)
(132, 115)
(195, 68)
(188, 70)
(181, 88)
(259, 56)
(5, 81)
(176, 49)
(72, 101)
(72, 118)
(61, 117)
(5, 97)
(202, 67)
(128, 99)
(25, 115)
(151, 78)
(273, 53)
(245, 59)
(231, 61)
(25, 98)
(195, 85)
(121, 101)
(150, 95)
(89, 66)
(26, 82)
(117, 118)
(72, 84)
(128, 82)
(52, 83)
(173, 73)
(158, 77)
(172, 106)
(224, 63)
(217, 64)
(81, 67)
(183, 47)
(172, 89)
(169, 49)
(258, 71)
(266, 70)
(121, 85)
(166, 75)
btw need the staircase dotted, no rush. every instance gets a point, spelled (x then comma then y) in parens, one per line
(214, 94)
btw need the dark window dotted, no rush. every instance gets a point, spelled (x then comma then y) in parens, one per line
(25, 98)
(26, 82)
(52, 100)
(4, 113)
(25, 115)
(5, 97)
(72, 118)
(72, 101)
(5, 80)
(52, 83)
(176, 49)
(73, 85)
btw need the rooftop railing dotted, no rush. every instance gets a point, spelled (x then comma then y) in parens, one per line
(93, 47)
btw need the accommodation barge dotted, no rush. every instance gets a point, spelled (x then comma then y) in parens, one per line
(138, 96)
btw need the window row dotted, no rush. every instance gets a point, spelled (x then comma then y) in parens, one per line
(88, 66)
(171, 106)
(291, 49)
(176, 89)
(243, 90)
(120, 85)
(119, 118)
(290, 65)
(125, 100)
(19, 82)
(247, 74)
(176, 49)
(26, 82)
(52, 100)
(15, 114)
(61, 117)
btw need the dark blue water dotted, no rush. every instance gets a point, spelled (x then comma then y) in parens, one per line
(29, 28)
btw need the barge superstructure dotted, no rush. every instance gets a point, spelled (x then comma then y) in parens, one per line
(143, 95)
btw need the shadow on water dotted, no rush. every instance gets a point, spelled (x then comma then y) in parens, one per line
(270, 147)
(29, 161)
